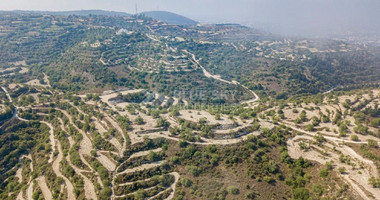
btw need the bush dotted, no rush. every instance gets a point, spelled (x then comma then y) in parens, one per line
(354, 138)
(186, 182)
(140, 194)
(153, 156)
(193, 170)
(343, 130)
(319, 138)
(182, 143)
(105, 193)
(303, 145)
(318, 190)
(324, 173)
(375, 122)
(325, 119)
(342, 170)
(315, 121)
(161, 122)
(268, 179)
(233, 190)
(139, 120)
(301, 193)
(361, 129)
(375, 182)
(372, 143)
(310, 127)
(250, 195)
(303, 116)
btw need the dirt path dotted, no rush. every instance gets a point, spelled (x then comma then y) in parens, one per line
(20, 196)
(144, 153)
(6, 92)
(44, 188)
(209, 75)
(51, 139)
(29, 191)
(218, 77)
(19, 174)
(46, 79)
(335, 139)
(173, 186)
(142, 167)
(206, 141)
(55, 166)
(106, 162)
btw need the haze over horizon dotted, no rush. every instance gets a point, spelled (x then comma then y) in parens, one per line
(292, 17)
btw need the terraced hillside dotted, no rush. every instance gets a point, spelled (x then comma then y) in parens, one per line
(113, 108)
(112, 145)
(100, 52)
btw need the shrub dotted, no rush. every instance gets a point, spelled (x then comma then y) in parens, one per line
(139, 120)
(354, 138)
(186, 182)
(324, 173)
(318, 190)
(361, 129)
(325, 119)
(301, 193)
(233, 190)
(303, 116)
(310, 127)
(153, 156)
(302, 145)
(268, 179)
(375, 122)
(161, 122)
(193, 170)
(182, 143)
(372, 143)
(105, 193)
(375, 182)
(140, 194)
(250, 195)
(342, 170)
(315, 121)
(319, 138)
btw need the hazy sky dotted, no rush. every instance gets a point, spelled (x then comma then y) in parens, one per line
(283, 16)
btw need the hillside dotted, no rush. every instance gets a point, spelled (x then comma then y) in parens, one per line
(117, 107)
(170, 18)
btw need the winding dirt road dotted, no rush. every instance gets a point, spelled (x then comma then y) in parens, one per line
(44, 188)
(6, 92)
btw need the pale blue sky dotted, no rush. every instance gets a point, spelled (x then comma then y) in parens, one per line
(284, 16)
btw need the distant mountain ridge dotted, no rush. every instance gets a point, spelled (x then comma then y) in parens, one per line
(170, 18)
(74, 12)
(165, 16)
